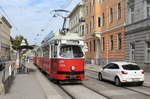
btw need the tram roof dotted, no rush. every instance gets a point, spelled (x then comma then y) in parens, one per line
(68, 36)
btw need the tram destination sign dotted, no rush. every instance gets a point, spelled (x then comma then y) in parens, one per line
(72, 41)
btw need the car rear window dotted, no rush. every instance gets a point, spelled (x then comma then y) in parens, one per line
(131, 67)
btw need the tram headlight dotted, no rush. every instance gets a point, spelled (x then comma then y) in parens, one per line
(73, 68)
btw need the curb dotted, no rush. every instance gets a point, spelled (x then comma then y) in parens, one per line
(2, 89)
(47, 86)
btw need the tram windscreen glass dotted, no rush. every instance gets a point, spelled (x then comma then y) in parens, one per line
(71, 51)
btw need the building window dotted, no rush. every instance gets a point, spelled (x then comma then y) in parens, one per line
(81, 32)
(111, 15)
(93, 2)
(93, 21)
(87, 44)
(86, 10)
(132, 52)
(94, 45)
(132, 13)
(103, 19)
(148, 12)
(101, 1)
(119, 40)
(90, 26)
(148, 52)
(103, 43)
(90, 7)
(148, 1)
(90, 46)
(99, 21)
(111, 43)
(82, 29)
(87, 28)
(119, 11)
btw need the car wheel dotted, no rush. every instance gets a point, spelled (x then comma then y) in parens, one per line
(140, 83)
(117, 82)
(100, 77)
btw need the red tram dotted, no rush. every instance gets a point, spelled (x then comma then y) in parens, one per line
(62, 57)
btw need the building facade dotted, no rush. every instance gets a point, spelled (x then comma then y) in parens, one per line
(92, 34)
(112, 27)
(76, 20)
(5, 30)
(138, 32)
(105, 28)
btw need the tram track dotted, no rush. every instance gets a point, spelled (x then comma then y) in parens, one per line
(131, 89)
(73, 95)
(134, 89)
(91, 70)
(96, 91)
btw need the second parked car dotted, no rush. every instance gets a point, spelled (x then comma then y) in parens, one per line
(122, 72)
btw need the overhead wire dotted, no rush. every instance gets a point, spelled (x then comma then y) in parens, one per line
(53, 21)
(16, 28)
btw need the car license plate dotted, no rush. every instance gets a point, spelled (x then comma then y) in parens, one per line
(135, 79)
(72, 77)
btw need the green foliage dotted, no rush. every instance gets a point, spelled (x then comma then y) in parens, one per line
(17, 42)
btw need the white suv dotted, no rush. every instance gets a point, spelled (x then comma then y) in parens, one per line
(122, 72)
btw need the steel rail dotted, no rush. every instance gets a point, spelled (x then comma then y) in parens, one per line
(125, 87)
(71, 96)
(96, 91)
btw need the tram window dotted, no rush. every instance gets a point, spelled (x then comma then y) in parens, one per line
(39, 52)
(71, 51)
(52, 54)
(55, 50)
(45, 51)
(77, 52)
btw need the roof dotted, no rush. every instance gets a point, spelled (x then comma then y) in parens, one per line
(3, 19)
(123, 63)
(68, 36)
(76, 7)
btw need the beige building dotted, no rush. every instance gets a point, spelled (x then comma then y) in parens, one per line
(5, 30)
(76, 20)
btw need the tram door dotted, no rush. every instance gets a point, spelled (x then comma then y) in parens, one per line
(46, 61)
(54, 48)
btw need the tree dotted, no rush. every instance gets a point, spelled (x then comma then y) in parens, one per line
(17, 42)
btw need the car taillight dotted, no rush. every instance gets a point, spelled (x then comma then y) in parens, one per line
(124, 72)
(142, 72)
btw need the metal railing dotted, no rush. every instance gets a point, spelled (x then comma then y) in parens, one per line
(8, 71)
(6, 77)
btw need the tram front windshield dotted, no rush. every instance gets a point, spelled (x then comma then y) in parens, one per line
(71, 51)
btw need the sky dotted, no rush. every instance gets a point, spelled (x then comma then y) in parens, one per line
(29, 17)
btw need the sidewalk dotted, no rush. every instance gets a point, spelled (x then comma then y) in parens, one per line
(97, 68)
(31, 86)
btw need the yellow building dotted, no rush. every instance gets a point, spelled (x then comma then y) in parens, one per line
(105, 20)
